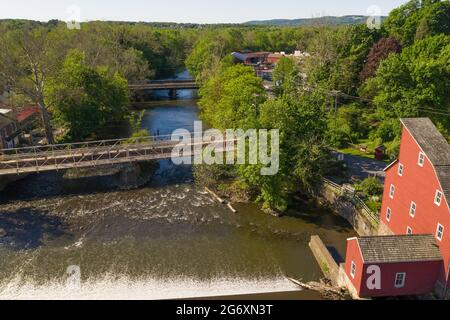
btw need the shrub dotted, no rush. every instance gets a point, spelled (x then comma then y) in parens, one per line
(370, 187)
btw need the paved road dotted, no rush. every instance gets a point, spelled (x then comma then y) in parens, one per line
(362, 168)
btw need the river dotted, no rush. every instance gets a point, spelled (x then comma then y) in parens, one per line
(168, 239)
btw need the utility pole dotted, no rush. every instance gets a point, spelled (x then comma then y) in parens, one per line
(335, 94)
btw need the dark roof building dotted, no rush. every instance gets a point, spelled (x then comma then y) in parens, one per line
(386, 266)
(250, 58)
(393, 249)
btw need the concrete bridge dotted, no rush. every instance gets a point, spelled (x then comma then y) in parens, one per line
(92, 154)
(171, 85)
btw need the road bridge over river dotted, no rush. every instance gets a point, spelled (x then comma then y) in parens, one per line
(171, 85)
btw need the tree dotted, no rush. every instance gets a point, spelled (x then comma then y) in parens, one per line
(303, 151)
(416, 82)
(379, 52)
(231, 98)
(234, 98)
(208, 53)
(410, 20)
(27, 61)
(337, 57)
(106, 45)
(347, 126)
(84, 99)
(371, 187)
(436, 20)
(287, 76)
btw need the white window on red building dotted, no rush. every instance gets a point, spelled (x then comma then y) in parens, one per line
(400, 280)
(421, 161)
(392, 191)
(388, 214)
(353, 270)
(440, 232)
(409, 231)
(400, 170)
(438, 198)
(412, 209)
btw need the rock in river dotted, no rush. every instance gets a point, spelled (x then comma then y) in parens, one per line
(3, 233)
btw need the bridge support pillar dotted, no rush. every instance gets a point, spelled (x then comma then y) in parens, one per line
(173, 94)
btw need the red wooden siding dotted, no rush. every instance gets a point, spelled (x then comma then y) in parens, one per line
(417, 184)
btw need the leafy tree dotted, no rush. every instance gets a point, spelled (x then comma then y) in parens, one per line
(106, 45)
(287, 76)
(208, 53)
(214, 44)
(234, 98)
(136, 120)
(137, 133)
(410, 19)
(84, 99)
(371, 187)
(436, 20)
(231, 98)
(27, 61)
(347, 126)
(303, 152)
(338, 56)
(416, 82)
(379, 52)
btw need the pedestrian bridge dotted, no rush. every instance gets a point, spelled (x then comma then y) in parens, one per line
(96, 153)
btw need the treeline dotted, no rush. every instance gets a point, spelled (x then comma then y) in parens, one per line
(79, 78)
(34, 57)
(353, 89)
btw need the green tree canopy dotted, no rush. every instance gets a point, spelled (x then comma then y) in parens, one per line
(435, 20)
(84, 99)
(231, 98)
(416, 82)
(417, 19)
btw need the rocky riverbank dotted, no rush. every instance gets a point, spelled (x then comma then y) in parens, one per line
(125, 176)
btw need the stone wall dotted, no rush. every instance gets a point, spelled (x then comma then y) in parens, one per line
(126, 176)
(344, 207)
(384, 230)
(326, 262)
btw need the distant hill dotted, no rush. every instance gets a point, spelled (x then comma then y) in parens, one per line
(328, 20)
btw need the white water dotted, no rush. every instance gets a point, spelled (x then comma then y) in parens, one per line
(150, 289)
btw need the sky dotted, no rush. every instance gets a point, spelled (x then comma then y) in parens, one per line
(195, 11)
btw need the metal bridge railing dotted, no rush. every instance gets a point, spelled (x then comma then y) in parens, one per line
(372, 216)
(86, 154)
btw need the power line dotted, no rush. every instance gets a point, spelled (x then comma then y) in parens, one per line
(435, 112)
(337, 93)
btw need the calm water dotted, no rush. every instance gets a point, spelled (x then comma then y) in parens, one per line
(169, 239)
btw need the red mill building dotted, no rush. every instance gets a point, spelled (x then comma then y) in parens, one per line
(414, 256)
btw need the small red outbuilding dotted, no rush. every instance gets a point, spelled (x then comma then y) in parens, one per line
(384, 266)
